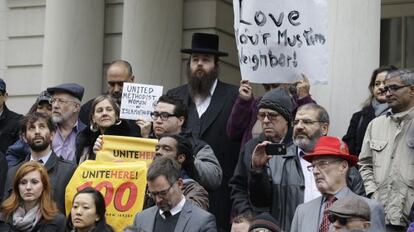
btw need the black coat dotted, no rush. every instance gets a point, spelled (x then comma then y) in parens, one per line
(9, 128)
(56, 225)
(86, 138)
(211, 128)
(281, 192)
(60, 172)
(357, 127)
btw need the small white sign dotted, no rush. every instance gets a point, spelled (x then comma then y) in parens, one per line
(138, 100)
(278, 40)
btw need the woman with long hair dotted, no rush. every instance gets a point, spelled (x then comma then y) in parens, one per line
(374, 106)
(30, 206)
(104, 119)
(88, 212)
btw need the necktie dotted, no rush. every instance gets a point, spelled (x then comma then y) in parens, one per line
(167, 214)
(40, 161)
(325, 221)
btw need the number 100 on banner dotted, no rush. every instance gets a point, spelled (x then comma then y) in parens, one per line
(121, 183)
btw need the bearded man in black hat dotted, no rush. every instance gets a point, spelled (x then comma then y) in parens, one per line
(209, 103)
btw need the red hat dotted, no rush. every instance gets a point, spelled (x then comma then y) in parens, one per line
(331, 146)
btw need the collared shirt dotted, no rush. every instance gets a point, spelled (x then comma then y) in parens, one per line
(66, 147)
(202, 104)
(311, 191)
(339, 195)
(44, 159)
(176, 209)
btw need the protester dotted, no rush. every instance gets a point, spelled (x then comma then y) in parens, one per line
(104, 119)
(243, 124)
(330, 162)
(179, 148)
(373, 107)
(88, 212)
(66, 100)
(38, 131)
(349, 213)
(209, 103)
(279, 183)
(117, 73)
(172, 211)
(264, 223)
(17, 152)
(9, 121)
(30, 206)
(241, 223)
(169, 117)
(386, 157)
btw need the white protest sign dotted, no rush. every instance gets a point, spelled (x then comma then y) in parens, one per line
(277, 40)
(138, 100)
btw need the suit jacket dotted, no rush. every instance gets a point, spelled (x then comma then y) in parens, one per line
(306, 217)
(192, 219)
(60, 172)
(211, 128)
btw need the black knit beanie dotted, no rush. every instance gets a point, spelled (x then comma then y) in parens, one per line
(278, 99)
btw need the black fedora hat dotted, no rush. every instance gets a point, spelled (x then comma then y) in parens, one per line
(205, 44)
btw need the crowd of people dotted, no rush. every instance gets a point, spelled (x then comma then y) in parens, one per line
(225, 160)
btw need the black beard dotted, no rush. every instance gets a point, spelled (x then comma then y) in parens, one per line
(40, 147)
(200, 85)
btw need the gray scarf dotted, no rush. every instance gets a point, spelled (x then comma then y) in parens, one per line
(26, 221)
(379, 108)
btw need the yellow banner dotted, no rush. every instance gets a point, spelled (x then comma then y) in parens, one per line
(121, 183)
(128, 149)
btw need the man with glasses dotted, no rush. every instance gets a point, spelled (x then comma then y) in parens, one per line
(386, 157)
(349, 214)
(66, 100)
(330, 162)
(278, 184)
(172, 211)
(169, 117)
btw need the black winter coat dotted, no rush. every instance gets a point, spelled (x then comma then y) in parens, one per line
(86, 138)
(357, 127)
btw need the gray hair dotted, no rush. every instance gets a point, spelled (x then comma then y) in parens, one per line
(323, 115)
(164, 166)
(406, 75)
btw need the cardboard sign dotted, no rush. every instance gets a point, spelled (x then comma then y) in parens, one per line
(138, 100)
(278, 40)
(121, 183)
(128, 149)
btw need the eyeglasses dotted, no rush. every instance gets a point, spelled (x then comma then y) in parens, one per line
(322, 165)
(270, 115)
(393, 88)
(304, 122)
(163, 115)
(60, 100)
(343, 221)
(161, 193)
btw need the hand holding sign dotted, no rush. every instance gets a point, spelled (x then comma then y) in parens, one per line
(303, 87)
(245, 90)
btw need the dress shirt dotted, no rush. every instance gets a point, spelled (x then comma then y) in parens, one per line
(311, 192)
(203, 103)
(176, 209)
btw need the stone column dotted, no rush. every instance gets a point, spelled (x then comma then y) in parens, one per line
(73, 44)
(151, 40)
(354, 41)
